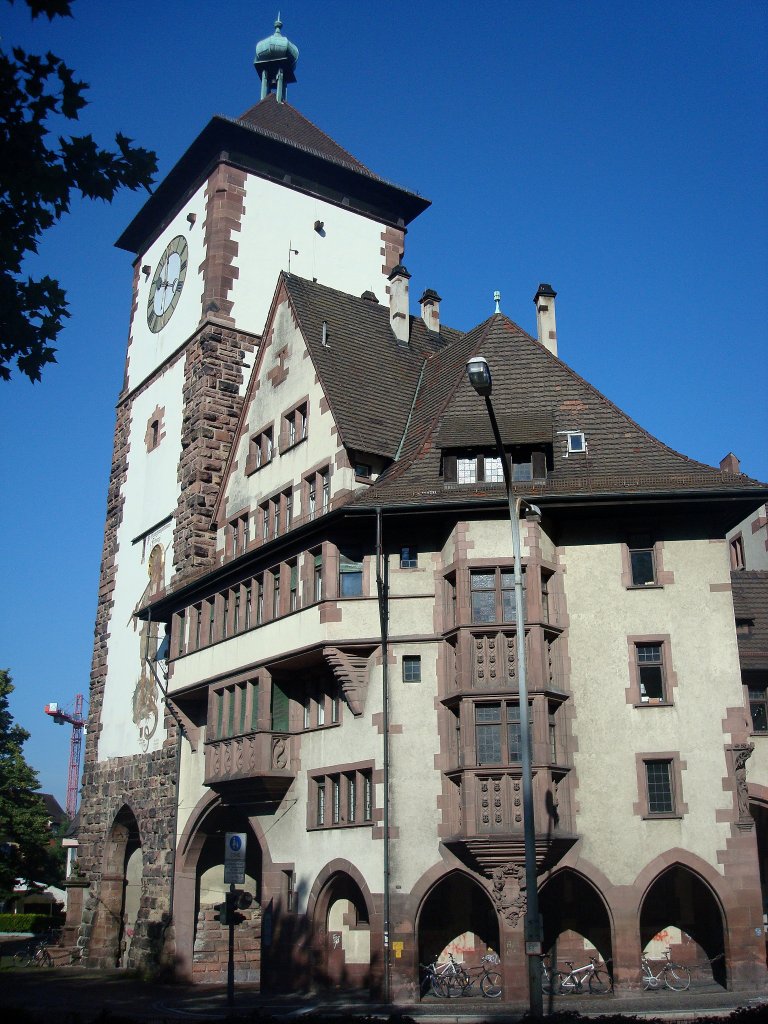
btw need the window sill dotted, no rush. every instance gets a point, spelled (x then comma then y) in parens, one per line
(763, 734)
(251, 467)
(644, 586)
(339, 825)
(364, 479)
(663, 817)
(653, 704)
(290, 447)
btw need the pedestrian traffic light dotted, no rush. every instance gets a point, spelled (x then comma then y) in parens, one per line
(227, 912)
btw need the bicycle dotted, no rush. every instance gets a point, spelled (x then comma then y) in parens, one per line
(546, 974)
(573, 981)
(446, 980)
(490, 981)
(34, 954)
(674, 976)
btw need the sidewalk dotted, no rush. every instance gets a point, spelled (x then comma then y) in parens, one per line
(79, 995)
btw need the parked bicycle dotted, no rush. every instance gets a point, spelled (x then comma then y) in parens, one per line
(446, 980)
(576, 978)
(674, 976)
(489, 981)
(35, 953)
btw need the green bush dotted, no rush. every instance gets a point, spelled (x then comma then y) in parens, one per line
(27, 922)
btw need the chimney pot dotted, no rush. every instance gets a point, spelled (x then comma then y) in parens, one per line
(398, 303)
(546, 325)
(430, 309)
(369, 296)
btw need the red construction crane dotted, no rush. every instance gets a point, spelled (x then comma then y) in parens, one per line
(77, 722)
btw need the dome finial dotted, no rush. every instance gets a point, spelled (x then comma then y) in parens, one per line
(275, 62)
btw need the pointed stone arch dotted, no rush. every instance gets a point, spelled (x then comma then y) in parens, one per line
(681, 911)
(577, 917)
(456, 914)
(345, 929)
(117, 907)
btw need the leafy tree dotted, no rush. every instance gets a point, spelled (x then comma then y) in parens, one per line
(28, 849)
(38, 173)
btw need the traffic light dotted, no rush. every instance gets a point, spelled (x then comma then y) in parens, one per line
(227, 912)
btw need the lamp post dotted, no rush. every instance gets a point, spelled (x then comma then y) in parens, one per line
(479, 374)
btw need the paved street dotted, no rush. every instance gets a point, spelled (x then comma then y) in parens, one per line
(62, 992)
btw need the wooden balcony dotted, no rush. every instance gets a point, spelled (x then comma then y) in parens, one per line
(486, 815)
(254, 768)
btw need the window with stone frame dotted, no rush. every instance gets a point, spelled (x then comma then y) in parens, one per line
(652, 678)
(260, 449)
(233, 708)
(409, 557)
(492, 594)
(411, 668)
(758, 705)
(736, 548)
(275, 580)
(294, 428)
(341, 797)
(317, 492)
(659, 784)
(642, 561)
(350, 574)
(497, 732)
(293, 583)
(317, 575)
(238, 535)
(321, 706)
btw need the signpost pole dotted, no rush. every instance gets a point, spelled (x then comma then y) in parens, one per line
(231, 957)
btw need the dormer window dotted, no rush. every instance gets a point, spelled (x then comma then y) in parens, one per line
(525, 463)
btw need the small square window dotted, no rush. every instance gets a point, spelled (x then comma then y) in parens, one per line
(577, 443)
(411, 668)
(362, 469)
(408, 558)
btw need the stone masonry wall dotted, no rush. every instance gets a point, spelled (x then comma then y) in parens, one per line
(209, 965)
(213, 374)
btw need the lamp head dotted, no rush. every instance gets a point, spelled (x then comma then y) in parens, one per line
(532, 513)
(479, 373)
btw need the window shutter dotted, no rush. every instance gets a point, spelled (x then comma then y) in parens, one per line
(449, 469)
(279, 709)
(539, 464)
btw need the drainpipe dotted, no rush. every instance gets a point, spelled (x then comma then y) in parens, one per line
(382, 577)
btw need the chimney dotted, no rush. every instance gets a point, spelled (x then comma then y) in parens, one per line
(398, 303)
(730, 464)
(545, 317)
(430, 310)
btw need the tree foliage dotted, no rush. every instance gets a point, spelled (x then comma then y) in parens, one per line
(38, 173)
(28, 850)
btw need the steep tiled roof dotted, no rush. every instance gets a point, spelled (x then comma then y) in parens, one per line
(283, 122)
(532, 386)
(750, 604)
(369, 379)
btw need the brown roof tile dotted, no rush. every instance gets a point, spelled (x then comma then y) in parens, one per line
(750, 604)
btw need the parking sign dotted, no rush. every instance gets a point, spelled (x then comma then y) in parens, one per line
(234, 858)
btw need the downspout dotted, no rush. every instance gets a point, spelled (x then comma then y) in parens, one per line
(382, 577)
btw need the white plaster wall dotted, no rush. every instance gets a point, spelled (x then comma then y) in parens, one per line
(148, 350)
(268, 406)
(609, 731)
(150, 496)
(755, 550)
(493, 539)
(277, 218)
(191, 775)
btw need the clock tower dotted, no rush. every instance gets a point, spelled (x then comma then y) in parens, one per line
(252, 196)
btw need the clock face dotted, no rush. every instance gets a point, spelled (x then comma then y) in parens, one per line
(167, 283)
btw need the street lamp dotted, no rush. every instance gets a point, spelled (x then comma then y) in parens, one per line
(479, 374)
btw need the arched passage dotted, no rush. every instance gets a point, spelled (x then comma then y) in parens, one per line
(681, 914)
(119, 902)
(576, 919)
(342, 931)
(457, 917)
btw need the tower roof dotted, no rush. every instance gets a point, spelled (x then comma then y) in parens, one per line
(275, 62)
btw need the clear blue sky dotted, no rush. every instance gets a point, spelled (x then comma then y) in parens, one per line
(614, 149)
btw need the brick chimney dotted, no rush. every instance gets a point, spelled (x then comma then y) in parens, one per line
(430, 310)
(398, 303)
(730, 464)
(546, 326)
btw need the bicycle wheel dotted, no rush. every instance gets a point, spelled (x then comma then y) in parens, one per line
(455, 984)
(677, 977)
(546, 984)
(439, 986)
(46, 960)
(22, 958)
(490, 985)
(600, 983)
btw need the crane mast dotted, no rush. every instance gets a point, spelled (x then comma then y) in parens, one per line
(76, 720)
